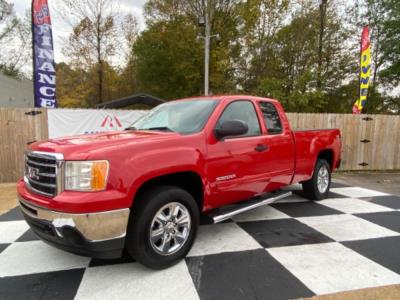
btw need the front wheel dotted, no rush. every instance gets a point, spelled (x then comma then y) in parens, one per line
(317, 188)
(163, 227)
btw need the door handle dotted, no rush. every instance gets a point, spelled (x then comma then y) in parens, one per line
(261, 148)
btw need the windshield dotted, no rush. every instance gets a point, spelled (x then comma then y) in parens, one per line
(180, 116)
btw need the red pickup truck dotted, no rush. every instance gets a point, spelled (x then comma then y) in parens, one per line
(145, 189)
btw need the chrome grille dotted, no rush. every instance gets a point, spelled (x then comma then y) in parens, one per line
(44, 172)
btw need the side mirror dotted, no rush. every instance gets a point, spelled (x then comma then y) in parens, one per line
(231, 128)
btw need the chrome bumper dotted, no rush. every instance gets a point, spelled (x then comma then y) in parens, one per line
(93, 227)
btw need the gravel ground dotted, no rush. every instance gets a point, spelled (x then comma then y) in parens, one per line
(8, 197)
(383, 182)
(391, 292)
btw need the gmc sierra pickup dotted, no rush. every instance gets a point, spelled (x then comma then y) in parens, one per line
(145, 189)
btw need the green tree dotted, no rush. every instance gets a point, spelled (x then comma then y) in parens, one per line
(169, 52)
(297, 64)
(382, 17)
(97, 40)
(8, 20)
(300, 52)
(76, 87)
(73, 86)
(15, 41)
(390, 45)
(259, 24)
(169, 65)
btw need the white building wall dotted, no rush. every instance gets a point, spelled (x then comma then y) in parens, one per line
(16, 93)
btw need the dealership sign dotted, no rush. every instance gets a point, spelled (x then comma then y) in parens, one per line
(44, 72)
(66, 122)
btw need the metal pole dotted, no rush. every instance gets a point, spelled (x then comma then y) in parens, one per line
(322, 14)
(207, 52)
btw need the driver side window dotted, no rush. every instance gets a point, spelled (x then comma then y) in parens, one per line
(244, 111)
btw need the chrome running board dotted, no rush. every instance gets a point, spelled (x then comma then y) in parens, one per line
(228, 212)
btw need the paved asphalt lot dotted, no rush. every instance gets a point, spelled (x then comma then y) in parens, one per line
(291, 249)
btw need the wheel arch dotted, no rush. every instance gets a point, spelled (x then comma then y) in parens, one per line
(190, 181)
(328, 155)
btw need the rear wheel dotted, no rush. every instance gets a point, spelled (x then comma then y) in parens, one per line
(162, 227)
(317, 188)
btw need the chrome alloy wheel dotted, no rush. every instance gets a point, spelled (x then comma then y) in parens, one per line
(323, 179)
(170, 228)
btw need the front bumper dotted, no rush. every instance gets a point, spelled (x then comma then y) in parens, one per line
(99, 235)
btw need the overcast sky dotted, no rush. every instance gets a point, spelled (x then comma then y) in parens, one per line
(61, 30)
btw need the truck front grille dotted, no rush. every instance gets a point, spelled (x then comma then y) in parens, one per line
(43, 172)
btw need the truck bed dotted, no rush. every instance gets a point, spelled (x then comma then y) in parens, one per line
(310, 142)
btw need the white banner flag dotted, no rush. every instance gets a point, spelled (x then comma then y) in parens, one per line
(67, 122)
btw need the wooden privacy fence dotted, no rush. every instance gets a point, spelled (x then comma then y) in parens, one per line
(370, 142)
(18, 126)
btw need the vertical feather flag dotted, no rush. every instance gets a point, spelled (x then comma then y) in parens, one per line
(365, 71)
(44, 72)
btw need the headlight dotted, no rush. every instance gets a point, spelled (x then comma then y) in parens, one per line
(86, 175)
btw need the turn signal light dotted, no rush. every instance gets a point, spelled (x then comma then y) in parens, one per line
(99, 175)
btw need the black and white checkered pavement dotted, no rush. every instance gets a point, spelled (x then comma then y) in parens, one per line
(295, 248)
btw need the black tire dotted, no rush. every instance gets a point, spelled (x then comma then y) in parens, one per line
(310, 187)
(138, 242)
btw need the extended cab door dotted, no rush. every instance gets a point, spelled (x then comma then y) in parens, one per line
(278, 160)
(235, 164)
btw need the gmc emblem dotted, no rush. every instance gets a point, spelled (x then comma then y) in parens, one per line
(33, 173)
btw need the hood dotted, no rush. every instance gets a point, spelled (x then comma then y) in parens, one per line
(81, 146)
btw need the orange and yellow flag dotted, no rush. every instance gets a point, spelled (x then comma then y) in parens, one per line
(365, 71)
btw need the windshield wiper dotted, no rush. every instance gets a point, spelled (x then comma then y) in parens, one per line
(159, 128)
(130, 128)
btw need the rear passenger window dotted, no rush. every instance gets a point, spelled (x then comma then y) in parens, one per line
(271, 118)
(243, 111)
